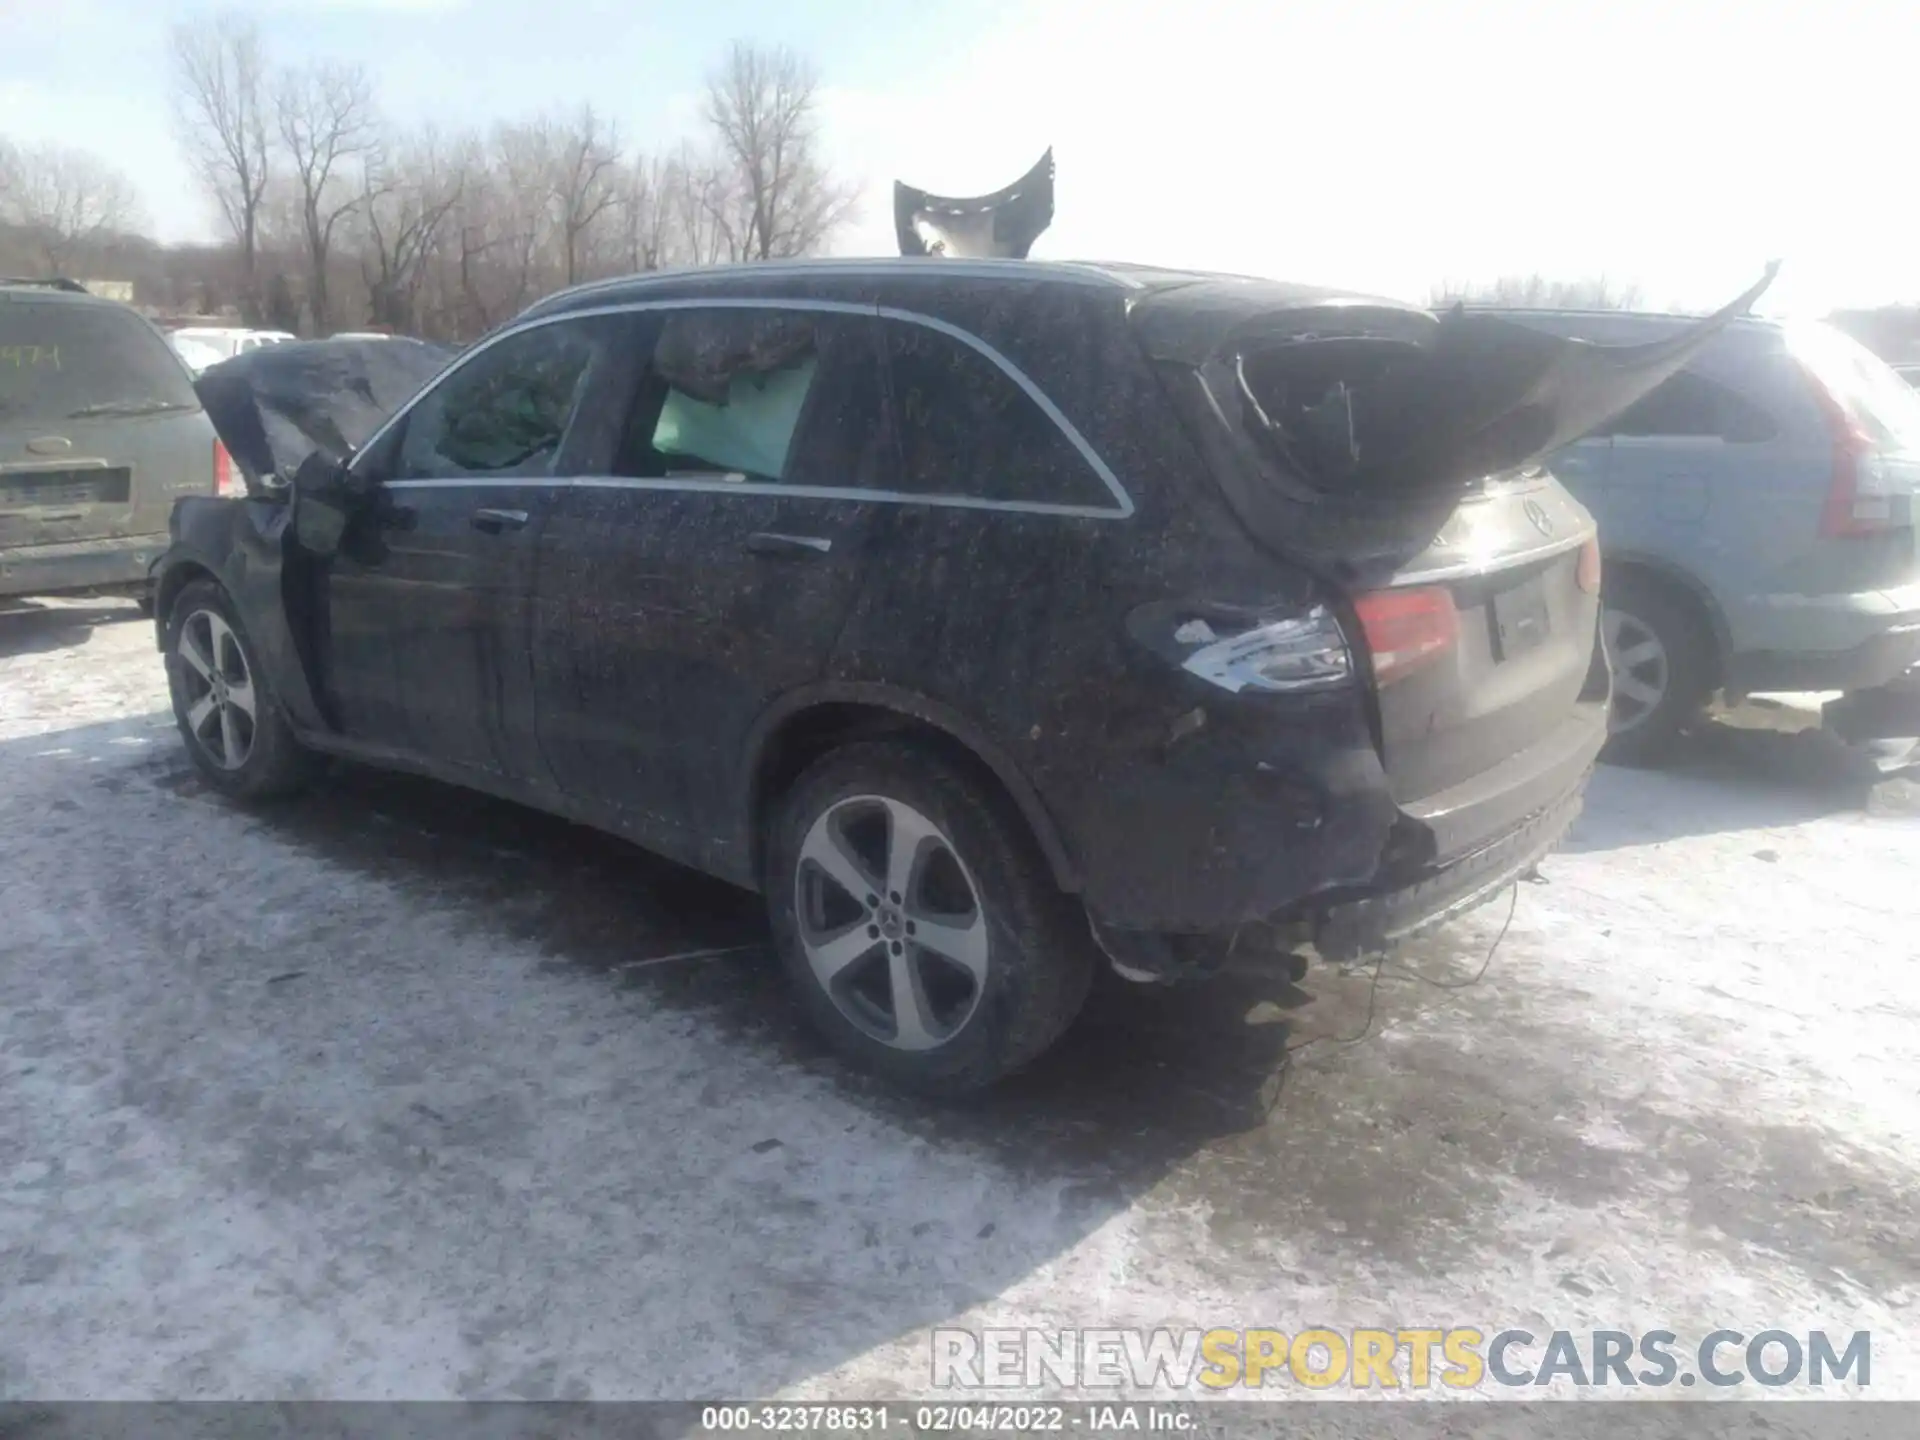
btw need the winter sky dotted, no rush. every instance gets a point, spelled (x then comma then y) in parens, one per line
(1676, 144)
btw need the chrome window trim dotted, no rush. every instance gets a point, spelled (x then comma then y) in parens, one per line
(1072, 272)
(1122, 508)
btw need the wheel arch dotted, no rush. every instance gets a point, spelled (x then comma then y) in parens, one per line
(173, 579)
(1687, 589)
(806, 725)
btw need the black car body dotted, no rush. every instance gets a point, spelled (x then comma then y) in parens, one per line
(1213, 603)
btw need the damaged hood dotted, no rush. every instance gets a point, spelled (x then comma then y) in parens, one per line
(1002, 225)
(1362, 393)
(275, 406)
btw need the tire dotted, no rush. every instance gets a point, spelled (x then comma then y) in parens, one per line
(247, 754)
(1015, 961)
(1662, 657)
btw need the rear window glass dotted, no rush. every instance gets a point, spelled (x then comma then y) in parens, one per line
(1861, 381)
(63, 361)
(966, 428)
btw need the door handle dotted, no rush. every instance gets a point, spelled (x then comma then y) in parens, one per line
(766, 542)
(494, 521)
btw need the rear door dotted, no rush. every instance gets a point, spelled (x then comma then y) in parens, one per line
(100, 431)
(708, 568)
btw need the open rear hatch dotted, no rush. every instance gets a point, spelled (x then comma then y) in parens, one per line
(1397, 454)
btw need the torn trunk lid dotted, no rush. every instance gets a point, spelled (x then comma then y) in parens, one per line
(1396, 454)
(1346, 392)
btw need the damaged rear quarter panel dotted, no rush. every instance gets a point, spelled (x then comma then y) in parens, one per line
(1020, 622)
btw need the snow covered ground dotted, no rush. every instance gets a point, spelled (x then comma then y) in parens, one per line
(379, 1094)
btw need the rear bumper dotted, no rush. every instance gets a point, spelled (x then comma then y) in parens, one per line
(1486, 833)
(1374, 923)
(79, 565)
(1233, 846)
(1464, 819)
(1882, 658)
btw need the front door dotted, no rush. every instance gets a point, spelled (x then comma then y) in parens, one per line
(427, 625)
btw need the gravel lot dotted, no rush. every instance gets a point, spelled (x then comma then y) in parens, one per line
(395, 1091)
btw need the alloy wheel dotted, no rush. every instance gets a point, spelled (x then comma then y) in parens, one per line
(892, 922)
(217, 689)
(1642, 673)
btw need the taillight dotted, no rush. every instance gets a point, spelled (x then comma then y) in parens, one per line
(1407, 629)
(1587, 574)
(1287, 654)
(225, 481)
(1848, 511)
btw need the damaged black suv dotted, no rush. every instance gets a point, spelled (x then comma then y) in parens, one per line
(984, 616)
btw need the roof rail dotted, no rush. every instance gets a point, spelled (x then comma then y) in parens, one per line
(58, 282)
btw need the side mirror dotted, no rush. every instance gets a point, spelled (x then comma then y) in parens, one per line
(323, 502)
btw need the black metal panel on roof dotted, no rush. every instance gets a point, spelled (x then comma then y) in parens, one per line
(1004, 223)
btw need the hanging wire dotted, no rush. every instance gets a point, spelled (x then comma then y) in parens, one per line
(1373, 989)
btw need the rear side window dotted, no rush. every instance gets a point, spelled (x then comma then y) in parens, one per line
(65, 361)
(747, 394)
(967, 428)
(506, 411)
(1689, 406)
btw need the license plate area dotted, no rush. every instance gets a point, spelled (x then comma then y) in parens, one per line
(66, 487)
(1521, 620)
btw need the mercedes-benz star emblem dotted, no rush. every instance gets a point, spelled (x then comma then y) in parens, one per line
(1537, 513)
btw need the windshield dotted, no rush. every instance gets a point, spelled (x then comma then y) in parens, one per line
(62, 361)
(1878, 399)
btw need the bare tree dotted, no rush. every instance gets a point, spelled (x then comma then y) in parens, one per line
(645, 220)
(1536, 291)
(405, 205)
(65, 199)
(516, 213)
(9, 168)
(219, 75)
(586, 162)
(702, 210)
(326, 121)
(779, 199)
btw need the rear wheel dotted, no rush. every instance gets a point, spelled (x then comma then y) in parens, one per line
(1662, 658)
(918, 922)
(226, 709)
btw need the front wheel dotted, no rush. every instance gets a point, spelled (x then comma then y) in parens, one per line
(918, 922)
(225, 708)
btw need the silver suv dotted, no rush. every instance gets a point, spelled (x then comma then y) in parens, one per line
(100, 432)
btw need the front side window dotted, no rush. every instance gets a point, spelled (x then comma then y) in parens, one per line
(63, 360)
(506, 412)
(967, 428)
